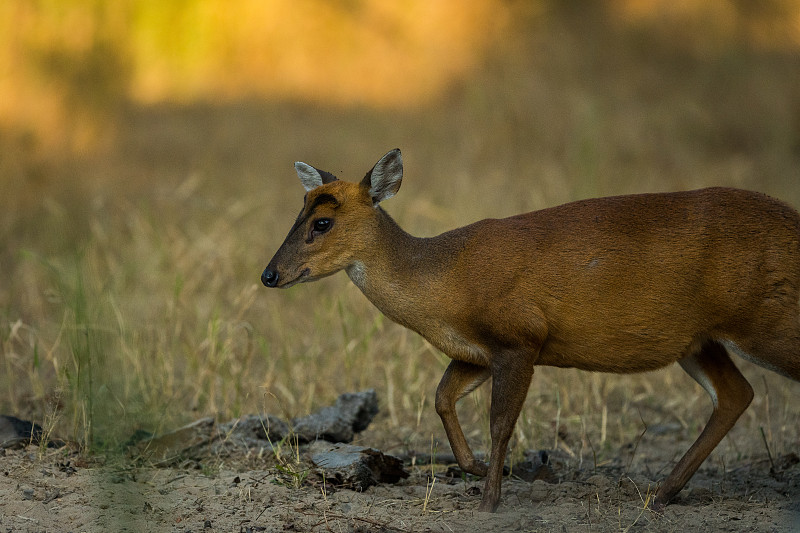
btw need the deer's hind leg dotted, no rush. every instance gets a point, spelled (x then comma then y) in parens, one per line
(730, 393)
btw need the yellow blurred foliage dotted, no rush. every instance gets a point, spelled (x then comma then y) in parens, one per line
(59, 57)
(67, 65)
(370, 52)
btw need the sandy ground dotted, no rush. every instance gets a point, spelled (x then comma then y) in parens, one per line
(59, 490)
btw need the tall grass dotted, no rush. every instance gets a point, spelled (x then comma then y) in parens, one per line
(132, 299)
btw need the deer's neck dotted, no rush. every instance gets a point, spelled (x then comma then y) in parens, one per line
(412, 281)
(398, 270)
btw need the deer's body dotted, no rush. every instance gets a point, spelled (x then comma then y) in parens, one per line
(622, 284)
(642, 274)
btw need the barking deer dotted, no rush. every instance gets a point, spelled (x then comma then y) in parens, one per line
(621, 284)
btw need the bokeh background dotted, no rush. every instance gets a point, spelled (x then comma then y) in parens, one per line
(146, 154)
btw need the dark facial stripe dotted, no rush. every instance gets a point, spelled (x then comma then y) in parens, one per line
(321, 199)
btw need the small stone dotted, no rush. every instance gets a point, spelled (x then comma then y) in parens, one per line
(473, 491)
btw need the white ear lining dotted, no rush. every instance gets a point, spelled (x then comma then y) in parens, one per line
(309, 176)
(386, 176)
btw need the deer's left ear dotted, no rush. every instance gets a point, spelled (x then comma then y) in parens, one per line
(311, 177)
(383, 181)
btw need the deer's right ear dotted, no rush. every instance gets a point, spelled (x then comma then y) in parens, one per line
(311, 177)
(383, 181)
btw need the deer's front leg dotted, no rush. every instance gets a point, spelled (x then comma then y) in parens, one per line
(459, 379)
(511, 377)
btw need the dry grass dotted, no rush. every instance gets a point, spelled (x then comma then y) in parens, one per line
(132, 296)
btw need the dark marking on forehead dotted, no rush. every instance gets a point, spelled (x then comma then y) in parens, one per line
(323, 198)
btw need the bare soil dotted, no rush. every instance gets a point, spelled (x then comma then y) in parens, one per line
(46, 490)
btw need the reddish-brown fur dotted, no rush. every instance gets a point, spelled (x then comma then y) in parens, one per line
(621, 284)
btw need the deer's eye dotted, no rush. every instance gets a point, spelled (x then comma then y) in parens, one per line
(322, 225)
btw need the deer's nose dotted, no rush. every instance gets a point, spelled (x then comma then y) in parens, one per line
(269, 277)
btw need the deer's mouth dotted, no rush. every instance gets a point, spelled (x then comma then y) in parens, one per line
(304, 274)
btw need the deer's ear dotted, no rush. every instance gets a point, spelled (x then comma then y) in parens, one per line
(311, 177)
(384, 180)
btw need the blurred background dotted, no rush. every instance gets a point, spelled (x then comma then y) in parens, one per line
(146, 153)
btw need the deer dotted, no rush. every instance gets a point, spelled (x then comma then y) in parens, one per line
(621, 284)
